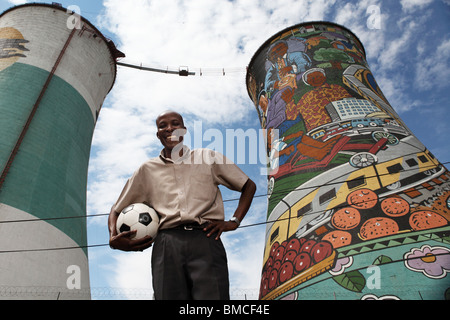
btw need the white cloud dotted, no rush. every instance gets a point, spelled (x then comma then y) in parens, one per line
(412, 5)
(131, 274)
(367, 20)
(389, 48)
(394, 49)
(432, 69)
(17, 2)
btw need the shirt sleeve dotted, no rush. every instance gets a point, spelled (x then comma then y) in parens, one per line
(227, 173)
(132, 192)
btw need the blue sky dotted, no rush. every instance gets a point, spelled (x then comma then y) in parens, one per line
(408, 50)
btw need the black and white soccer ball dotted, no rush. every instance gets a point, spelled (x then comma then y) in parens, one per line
(139, 217)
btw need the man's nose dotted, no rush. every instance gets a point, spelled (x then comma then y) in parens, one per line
(170, 128)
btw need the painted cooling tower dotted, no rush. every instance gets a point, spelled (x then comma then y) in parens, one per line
(358, 208)
(55, 71)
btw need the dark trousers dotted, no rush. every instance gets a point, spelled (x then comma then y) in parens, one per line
(187, 265)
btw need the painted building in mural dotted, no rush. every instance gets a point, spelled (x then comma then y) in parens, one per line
(358, 207)
(55, 71)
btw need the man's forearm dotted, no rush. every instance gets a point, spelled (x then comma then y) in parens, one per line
(245, 200)
(112, 221)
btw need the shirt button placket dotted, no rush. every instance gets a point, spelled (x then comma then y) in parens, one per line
(181, 191)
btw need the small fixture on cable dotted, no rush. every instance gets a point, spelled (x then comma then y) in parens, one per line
(183, 71)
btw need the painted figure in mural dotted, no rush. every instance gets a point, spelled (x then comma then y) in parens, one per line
(299, 144)
(285, 61)
(349, 186)
(312, 105)
(311, 109)
(188, 258)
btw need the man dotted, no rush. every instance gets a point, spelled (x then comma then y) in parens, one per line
(188, 258)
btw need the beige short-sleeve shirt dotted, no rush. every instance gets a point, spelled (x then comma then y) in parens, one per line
(184, 190)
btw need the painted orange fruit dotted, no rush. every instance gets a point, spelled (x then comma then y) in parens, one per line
(362, 199)
(346, 218)
(425, 219)
(378, 227)
(338, 238)
(395, 206)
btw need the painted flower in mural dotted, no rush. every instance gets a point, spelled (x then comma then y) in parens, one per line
(433, 262)
(341, 265)
(374, 297)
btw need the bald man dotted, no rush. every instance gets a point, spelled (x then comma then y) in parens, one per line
(188, 258)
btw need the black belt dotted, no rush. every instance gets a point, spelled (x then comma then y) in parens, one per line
(190, 226)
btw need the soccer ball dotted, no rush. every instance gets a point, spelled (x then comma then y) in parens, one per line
(139, 217)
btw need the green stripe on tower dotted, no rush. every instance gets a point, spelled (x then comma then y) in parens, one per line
(48, 177)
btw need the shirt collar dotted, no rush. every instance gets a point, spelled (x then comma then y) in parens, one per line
(186, 154)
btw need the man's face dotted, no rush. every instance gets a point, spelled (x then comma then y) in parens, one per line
(171, 129)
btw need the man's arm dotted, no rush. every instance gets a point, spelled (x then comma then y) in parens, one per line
(123, 241)
(245, 200)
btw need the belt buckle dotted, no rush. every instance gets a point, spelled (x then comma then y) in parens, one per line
(188, 227)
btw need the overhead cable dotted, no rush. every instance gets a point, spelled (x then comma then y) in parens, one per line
(185, 71)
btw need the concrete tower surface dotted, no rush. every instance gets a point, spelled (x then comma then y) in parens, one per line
(56, 69)
(358, 208)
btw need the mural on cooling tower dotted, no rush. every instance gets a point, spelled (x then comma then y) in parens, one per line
(358, 208)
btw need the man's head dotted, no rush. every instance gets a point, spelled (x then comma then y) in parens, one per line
(170, 129)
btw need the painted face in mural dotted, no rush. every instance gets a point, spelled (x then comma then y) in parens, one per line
(280, 63)
(316, 78)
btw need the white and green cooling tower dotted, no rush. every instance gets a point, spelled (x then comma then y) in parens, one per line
(56, 69)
